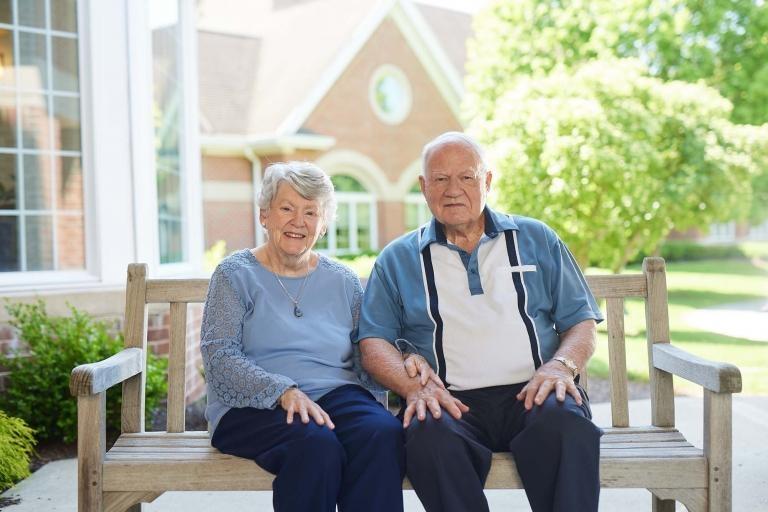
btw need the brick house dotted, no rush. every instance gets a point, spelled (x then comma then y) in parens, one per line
(356, 86)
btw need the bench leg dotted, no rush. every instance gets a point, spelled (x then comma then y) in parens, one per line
(717, 447)
(91, 432)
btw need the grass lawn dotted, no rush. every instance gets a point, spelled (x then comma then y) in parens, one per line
(695, 285)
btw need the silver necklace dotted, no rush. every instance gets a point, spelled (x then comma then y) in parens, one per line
(297, 312)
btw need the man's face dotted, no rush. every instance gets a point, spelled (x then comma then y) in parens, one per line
(454, 186)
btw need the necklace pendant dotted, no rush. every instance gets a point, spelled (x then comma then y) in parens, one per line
(297, 311)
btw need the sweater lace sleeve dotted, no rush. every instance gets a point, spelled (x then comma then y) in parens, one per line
(237, 380)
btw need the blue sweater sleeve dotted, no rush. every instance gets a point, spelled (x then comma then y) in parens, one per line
(235, 378)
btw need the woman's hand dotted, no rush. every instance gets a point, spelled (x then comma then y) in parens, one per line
(416, 365)
(294, 401)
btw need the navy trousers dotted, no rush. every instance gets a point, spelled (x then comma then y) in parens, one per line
(359, 465)
(555, 445)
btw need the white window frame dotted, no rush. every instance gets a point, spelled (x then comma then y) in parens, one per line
(391, 118)
(721, 233)
(189, 157)
(353, 199)
(40, 280)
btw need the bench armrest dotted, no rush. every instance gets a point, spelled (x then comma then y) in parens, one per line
(93, 378)
(712, 375)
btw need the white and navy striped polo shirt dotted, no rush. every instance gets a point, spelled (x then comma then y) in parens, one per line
(481, 319)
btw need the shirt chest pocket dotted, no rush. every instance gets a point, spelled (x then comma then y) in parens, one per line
(505, 279)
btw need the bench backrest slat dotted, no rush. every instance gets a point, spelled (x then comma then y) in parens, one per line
(617, 362)
(650, 286)
(177, 363)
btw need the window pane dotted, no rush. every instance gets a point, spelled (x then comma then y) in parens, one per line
(363, 226)
(170, 241)
(64, 15)
(167, 94)
(7, 119)
(6, 57)
(69, 181)
(70, 237)
(32, 61)
(411, 216)
(66, 112)
(343, 183)
(169, 200)
(7, 183)
(37, 182)
(322, 243)
(6, 12)
(9, 249)
(32, 13)
(34, 121)
(39, 234)
(64, 56)
(342, 227)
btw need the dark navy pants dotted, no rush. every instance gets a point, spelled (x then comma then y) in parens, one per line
(359, 465)
(555, 445)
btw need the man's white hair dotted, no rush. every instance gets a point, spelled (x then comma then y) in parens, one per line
(452, 138)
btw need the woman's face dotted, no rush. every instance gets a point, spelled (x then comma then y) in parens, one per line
(293, 222)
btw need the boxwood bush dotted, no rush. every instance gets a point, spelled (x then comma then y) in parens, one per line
(38, 385)
(17, 443)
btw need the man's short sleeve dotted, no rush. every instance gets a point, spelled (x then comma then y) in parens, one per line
(381, 314)
(572, 299)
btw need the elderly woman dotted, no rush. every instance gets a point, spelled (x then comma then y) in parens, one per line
(284, 388)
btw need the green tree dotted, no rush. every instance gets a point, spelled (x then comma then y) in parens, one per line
(723, 42)
(614, 159)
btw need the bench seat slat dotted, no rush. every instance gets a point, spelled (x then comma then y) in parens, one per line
(231, 473)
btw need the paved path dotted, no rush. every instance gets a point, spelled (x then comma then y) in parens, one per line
(52, 488)
(747, 320)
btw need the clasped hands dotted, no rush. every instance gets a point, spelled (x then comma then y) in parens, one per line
(429, 391)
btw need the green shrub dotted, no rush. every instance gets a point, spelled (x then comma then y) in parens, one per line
(679, 250)
(38, 385)
(17, 443)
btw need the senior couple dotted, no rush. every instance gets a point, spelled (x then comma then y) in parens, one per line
(479, 320)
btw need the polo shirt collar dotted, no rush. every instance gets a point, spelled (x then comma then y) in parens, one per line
(495, 223)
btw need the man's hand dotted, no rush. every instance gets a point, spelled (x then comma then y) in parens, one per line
(416, 365)
(433, 397)
(294, 401)
(551, 376)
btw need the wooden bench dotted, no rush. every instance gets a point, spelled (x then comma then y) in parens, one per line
(143, 465)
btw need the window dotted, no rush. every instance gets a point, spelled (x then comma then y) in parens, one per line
(42, 225)
(721, 233)
(390, 94)
(167, 106)
(416, 209)
(354, 229)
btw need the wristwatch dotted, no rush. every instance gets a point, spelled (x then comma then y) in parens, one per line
(568, 363)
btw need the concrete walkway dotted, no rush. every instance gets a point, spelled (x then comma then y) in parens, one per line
(53, 487)
(747, 320)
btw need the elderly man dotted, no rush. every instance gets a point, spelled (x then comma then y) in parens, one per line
(495, 321)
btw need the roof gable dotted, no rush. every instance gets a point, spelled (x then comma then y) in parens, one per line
(266, 64)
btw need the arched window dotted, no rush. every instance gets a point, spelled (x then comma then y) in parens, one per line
(416, 209)
(354, 229)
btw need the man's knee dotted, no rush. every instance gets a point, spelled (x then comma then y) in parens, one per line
(563, 419)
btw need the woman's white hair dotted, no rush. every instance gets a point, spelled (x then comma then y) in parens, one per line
(452, 138)
(310, 181)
